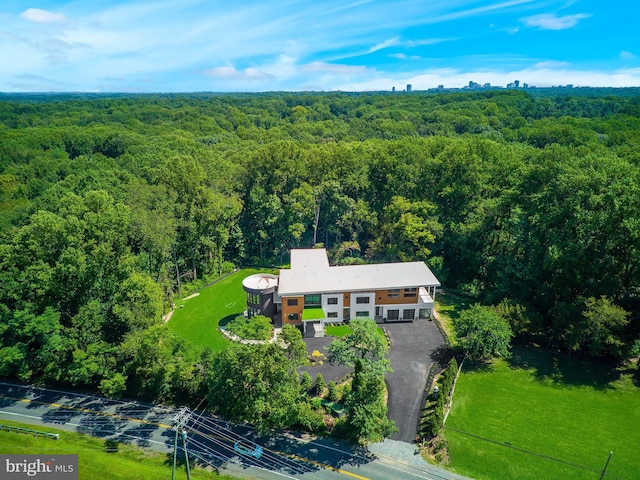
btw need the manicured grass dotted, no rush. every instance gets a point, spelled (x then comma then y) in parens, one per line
(448, 306)
(197, 321)
(312, 313)
(340, 331)
(94, 462)
(551, 404)
(337, 330)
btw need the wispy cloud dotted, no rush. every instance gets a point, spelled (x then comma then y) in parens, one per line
(42, 16)
(387, 43)
(549, 21)
(551, 64)
(333, 68)
(230, 73)
(625, 55)
(404, 56)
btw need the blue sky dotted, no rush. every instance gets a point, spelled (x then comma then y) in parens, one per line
(351, 45)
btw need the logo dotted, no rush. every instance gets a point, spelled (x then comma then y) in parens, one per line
(45, 467)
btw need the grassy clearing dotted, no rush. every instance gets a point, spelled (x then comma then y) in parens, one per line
(448, 307)
(551, 404)
(197, 319)
(340, 331)
(94, 461)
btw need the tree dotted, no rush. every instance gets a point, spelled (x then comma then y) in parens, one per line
(483, 333)
(365, 350)
(257, 384)
(599, 328)
(364, 346)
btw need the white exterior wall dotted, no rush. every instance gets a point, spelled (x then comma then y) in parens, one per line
(401, 307)
(332, 308)
(363, 307)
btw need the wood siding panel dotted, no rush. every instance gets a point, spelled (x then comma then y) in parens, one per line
(289, 309)
(382, 298)
(346, 300)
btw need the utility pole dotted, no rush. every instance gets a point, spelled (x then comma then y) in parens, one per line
(179, 421)
(604, 470)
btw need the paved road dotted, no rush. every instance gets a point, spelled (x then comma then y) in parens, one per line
(211, 439)
(412, 346)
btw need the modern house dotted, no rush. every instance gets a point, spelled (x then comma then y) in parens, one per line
(313, 290)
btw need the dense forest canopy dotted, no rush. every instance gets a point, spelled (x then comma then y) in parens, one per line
(110, 205)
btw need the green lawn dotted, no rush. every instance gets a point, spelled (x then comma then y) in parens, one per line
(337, 330)
(550, 404)
(448, 306)
(93, 459)
(340, 331)
(197, 319)
(313, 313)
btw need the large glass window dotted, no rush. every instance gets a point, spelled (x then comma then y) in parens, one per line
(424, 313)
(312, 300)
(292, 302)
(332, 314)
(253, 298)
(363, 299)
(332, 301)
(393, 293)
(362, 314)
(393, 314)
(409, 313)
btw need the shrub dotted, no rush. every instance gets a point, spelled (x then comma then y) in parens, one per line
(320, 384)
(306, 382)
(256, 328)
(335, 392)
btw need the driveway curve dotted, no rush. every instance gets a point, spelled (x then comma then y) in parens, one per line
(412, 346)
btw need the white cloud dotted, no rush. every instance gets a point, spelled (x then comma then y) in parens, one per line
(429, 41)
(404, 56)
(42, 16)
(551, 64)
(626, 55)
(387, 43)
(548, 21)
(230, 73)
(333, 68)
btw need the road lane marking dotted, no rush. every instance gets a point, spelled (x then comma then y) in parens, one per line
(86, 410)
(322, 465)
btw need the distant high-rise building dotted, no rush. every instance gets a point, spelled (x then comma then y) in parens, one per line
(393, 89)
(517, 83)
(440, 87)
(408, 87)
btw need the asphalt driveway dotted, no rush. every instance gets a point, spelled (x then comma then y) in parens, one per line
(412, 345)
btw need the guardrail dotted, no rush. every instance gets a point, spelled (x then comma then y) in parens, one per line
(28, 431)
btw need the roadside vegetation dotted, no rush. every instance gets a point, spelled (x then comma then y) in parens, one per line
(97, 457)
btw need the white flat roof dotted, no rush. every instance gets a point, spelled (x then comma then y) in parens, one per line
(309, 277)
(260, 281)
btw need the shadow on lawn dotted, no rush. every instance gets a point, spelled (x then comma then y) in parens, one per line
(562, 368)
(224, 321)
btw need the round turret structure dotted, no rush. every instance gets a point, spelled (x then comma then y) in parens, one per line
(261, 290)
